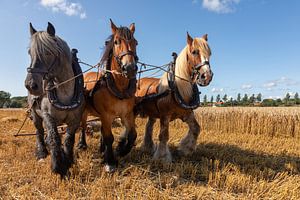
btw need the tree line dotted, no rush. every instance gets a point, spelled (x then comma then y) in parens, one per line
(6, 101)
(253, 100)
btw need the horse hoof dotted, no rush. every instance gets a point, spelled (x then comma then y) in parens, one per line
(164, 158)
(41, 154)
(109, 168)
(163, 155)
(149, 149)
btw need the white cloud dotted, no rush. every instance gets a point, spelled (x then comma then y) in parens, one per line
(215, 90)
(220, 6)
(270, 85)
(69, 8)
(247, 86)
(287, 81)
(283, 82)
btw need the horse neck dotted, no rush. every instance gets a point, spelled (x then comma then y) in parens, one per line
(65, 91)
(120, 81)
(182, 70)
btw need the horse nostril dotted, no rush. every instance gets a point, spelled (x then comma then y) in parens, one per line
(34, 86)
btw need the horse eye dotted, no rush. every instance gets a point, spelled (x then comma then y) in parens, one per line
(117, 42)
(195, 52)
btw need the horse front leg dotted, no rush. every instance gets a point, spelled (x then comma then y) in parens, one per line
(128, 137)
(69, 143)
(148, 144)
(82, 137)
(188, 143)
(41, 150)
(58, 163)
(162, 151)
(110, 162)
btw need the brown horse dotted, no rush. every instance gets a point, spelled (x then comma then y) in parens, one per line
(175, 96)
(113, 94)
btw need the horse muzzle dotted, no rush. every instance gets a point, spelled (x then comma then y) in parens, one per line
(204, 79)
(33, 84)
(130, 70)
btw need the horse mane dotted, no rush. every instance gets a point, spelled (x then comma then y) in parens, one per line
(43, 44)
(124, 33)
(182, 70)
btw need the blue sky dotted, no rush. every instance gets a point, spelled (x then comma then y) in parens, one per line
(255, 43)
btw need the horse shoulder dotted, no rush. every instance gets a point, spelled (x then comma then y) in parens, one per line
(147, 86)
(90, 79)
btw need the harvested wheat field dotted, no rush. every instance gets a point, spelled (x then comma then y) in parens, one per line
(242, 153)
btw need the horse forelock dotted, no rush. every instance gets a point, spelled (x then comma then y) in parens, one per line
(43, 44)
(203, 46)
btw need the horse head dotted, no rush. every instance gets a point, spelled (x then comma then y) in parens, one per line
(124, 49)
(47, 52)
(198, 55)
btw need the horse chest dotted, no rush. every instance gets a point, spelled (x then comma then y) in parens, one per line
(106, 103)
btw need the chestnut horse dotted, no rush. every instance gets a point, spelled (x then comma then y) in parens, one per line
(113, 94)
(174, 96)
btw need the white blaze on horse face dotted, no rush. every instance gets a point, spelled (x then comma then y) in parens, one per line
(204, 68)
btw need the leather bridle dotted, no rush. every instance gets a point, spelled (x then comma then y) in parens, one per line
(196, 70)
(124, 53)
(45, 73)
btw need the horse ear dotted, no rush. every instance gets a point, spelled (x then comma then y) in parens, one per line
(189, 39)
(32, 30)
(205, 37)
(132, 28)
(114, 28)
(50, 29)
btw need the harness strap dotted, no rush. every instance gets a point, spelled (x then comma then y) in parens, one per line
(78, 97)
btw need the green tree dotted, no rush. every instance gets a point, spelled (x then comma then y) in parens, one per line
(15, 104)
(278, 102)
(230, 103)
(287, 99)
(239, 98)
(258, 98)
(218, 98)
(296, 97)
(205, 100)
(225, 98)
(4, 98)
(211, 99)
(245, 100)
(18, 102)
(268, 102)
(252, 99)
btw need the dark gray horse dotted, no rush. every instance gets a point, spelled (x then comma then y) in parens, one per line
(53, 99)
